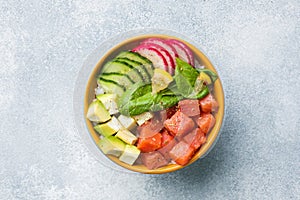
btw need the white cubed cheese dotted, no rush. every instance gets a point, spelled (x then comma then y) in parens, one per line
(130, 154)
(114, 124)
(142, 118)
(113, 109)
(127, 122)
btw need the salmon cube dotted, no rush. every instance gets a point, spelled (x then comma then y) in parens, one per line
(189, 107)
(179, 124)
(208, 104)
(153, 160)
(205, 122)
(182, 153)
(149, 144)
(195, 139)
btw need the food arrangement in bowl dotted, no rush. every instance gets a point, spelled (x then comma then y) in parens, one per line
(154, 104)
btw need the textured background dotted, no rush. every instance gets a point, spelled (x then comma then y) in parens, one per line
(254, 44)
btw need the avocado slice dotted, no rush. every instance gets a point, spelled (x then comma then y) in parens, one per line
(97, 112)
(112, 146)
(104, 129)
(130, 154)
(126, 136)
(109, 101)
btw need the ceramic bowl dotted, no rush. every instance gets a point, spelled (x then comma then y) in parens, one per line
(89, 95)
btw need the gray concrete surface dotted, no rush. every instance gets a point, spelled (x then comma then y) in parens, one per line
(255, 46)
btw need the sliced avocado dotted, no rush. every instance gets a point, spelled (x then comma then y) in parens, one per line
(112, 146)
(115, 124)
(139, 66)
(109, 128)
(111, 87)
(109, 101)
(104, 129)
(130, 154)
(126, 136)
(106, 98)
(97, 112)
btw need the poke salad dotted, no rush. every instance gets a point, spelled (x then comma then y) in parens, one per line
(154, 104)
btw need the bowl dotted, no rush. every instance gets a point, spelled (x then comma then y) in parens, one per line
(113, 47)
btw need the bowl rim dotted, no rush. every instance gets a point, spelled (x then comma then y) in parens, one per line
(213, 135)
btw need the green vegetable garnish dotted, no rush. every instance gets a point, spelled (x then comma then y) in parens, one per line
(139, 97)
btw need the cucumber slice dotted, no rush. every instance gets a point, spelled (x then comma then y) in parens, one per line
(134, 56)
(111, 87)
(139, 66)
(139, 58)
(114, 66)
(121, 79)
(123, 67)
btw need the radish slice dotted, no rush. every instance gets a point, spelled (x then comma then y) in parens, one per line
(165, 53)
(189, 51)
(183, 50)
(165, 45)
(153, 55)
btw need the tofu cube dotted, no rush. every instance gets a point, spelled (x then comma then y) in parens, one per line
(114, 124)
(127, 122)
(142, 118)
(130, 154)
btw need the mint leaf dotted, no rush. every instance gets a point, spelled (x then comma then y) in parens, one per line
(185, 77)
(186, 70)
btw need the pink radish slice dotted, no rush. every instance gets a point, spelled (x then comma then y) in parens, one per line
(165, 53)
(181, 52)
(185, 48)
(189, 51)
(153, 55)
(164, 44)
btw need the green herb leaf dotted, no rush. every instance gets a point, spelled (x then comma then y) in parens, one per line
(185, 78)
(139, 98)
(187, 71)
